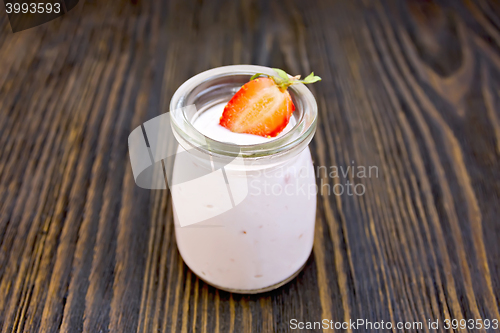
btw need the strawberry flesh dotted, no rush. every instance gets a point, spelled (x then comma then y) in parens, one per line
(260, 107)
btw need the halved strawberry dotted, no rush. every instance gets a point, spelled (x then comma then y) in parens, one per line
(262, 106)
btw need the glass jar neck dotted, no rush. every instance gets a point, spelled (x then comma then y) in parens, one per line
(217, 86)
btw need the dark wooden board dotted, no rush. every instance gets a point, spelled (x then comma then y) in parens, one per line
(412, 88)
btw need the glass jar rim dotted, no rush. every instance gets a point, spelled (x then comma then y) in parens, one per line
(294, 140)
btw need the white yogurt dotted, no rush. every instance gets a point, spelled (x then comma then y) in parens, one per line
(208, 124)
(267, 238)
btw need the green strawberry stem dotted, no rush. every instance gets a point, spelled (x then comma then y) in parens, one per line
(283, 81)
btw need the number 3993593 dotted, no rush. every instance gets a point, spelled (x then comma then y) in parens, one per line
(33, 8)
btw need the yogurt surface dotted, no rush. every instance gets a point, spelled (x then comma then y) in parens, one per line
(208, 124)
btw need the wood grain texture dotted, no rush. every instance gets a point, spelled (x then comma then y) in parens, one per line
(411, 87)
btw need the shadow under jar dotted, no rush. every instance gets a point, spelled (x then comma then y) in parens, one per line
(266, 236)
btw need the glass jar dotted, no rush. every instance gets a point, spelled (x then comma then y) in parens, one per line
(261, 237)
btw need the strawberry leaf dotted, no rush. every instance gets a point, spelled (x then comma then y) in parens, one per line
(283, 81)
(311, 78)
(281, 73)
(256, 76)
